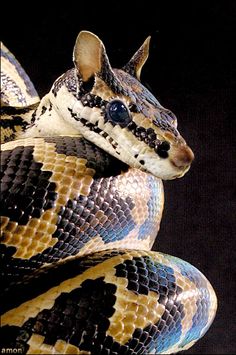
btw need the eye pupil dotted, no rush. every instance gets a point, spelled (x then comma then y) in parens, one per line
(118, 113)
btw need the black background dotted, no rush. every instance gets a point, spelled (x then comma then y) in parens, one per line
(191, 71)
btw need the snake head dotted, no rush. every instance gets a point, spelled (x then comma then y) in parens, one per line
(120, 115)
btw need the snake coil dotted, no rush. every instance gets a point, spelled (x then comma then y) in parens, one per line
(81, 205)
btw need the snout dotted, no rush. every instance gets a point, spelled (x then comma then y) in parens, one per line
(182, 157)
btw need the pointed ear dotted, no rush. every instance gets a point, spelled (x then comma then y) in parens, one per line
(90, 55)
(134, 66)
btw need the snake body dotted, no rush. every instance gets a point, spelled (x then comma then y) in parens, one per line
(82, 200)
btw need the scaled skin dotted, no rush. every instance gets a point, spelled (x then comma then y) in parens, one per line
(91, 181)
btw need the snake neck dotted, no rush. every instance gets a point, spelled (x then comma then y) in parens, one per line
(48, 120)
(52, 116)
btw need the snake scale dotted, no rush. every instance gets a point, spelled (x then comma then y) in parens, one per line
(81, 205)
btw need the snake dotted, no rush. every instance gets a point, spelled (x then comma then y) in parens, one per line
(82, 197)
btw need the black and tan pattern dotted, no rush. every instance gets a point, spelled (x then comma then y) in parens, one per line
(125, 302)
(81, 205)
(67, 195)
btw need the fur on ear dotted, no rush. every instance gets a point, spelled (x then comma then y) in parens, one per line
(134, 66)
(90, 56)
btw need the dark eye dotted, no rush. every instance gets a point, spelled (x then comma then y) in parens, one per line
(118, 113)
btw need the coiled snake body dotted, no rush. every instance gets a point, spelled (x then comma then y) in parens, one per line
(82, 200)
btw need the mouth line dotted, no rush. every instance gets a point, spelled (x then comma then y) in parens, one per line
(179, 167)
(182, 171)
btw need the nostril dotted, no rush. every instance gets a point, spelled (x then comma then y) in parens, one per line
(183, 157)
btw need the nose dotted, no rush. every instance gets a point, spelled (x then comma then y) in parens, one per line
(183, 157)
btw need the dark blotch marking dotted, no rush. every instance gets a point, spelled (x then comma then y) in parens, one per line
(14, 269)
(11, 123)
(40, 281)
(104, 164)
(33, 117)
(145, 275)
(11, 110)
(26, 191)
(92, 100)
(80, 316)
(162, 148)
(162, 153)
(146, 135)
(132, 126)
(165, 146)
(134, 108)
(74, 115)
(77, 222)
(44, 109)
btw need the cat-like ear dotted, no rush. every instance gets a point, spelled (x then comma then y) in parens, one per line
(90, 56)
(134, 66)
